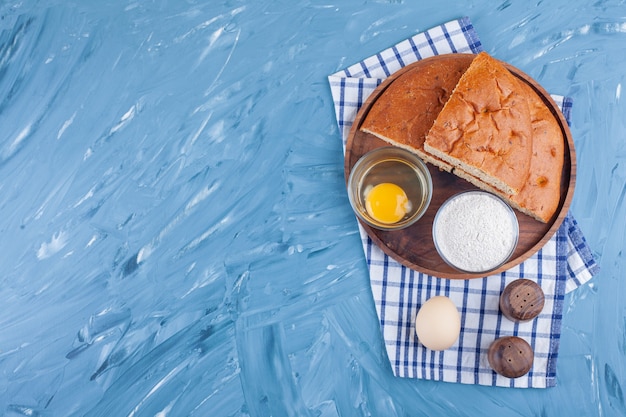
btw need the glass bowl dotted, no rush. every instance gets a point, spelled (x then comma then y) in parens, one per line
(475, 231)
(385, 169)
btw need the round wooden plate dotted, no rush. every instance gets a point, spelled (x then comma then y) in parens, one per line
(413, 246)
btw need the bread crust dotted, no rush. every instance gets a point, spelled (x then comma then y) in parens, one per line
(541, 194)
(484, 128)
(406, 110)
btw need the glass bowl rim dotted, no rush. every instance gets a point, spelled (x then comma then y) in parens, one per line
(509, 210)
(404, 156)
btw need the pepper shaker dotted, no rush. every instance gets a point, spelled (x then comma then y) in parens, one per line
(510, 356)
(522, 300)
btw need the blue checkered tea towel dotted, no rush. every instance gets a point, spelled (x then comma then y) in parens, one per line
(562, 265)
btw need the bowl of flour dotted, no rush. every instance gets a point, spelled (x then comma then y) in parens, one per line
(475, 231)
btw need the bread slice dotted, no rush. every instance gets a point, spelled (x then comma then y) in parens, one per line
(404, 113)
(540, 195)
(484, 128)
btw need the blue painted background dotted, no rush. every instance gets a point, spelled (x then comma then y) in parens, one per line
(176, 239)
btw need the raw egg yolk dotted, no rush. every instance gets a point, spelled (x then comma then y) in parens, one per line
(387, 203)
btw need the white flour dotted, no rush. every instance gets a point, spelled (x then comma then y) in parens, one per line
(475, 231)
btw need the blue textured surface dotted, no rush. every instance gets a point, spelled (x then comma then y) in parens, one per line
(176, 236)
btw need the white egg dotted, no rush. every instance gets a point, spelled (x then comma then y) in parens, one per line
(438, 323)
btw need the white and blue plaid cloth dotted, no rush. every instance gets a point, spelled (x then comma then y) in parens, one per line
(562, 265)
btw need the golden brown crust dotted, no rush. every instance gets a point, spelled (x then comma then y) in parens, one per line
(484, 128)
(541, 193)
(406, 110)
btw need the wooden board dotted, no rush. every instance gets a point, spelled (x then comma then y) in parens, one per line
(414, 246)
